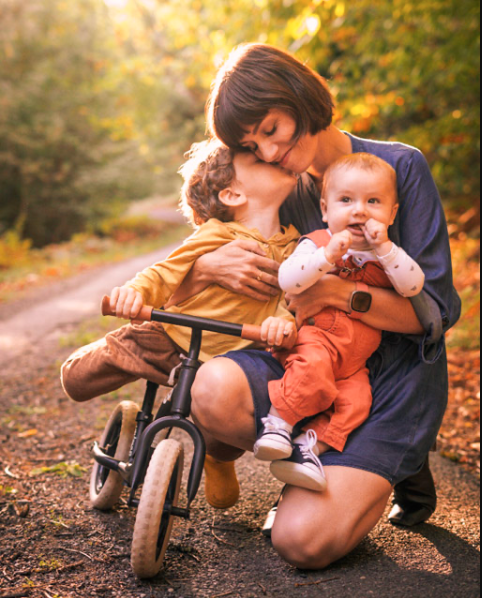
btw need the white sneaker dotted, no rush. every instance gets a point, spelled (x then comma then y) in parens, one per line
(274, 441)
(303, 468)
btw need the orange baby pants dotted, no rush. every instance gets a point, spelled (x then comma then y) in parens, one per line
(326, 376)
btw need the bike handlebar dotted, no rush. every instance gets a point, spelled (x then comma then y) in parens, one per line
(148, 314)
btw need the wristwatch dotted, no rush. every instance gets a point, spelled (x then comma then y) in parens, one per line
(361, 300)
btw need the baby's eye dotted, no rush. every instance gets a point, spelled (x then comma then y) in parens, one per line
(373, 200)
(345, 199)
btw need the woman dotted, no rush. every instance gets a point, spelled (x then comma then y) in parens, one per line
(267, 102)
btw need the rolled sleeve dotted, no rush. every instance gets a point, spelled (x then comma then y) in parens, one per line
(431, 344)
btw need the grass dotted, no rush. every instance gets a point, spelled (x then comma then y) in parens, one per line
(31, 269)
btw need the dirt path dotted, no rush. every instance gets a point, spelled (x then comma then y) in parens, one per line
(54, 545)
(24, 324)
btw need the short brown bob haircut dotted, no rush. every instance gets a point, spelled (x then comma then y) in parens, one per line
(257, 78)
(363, 161)
(208, 171)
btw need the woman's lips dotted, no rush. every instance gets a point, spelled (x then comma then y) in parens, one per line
(284, 161)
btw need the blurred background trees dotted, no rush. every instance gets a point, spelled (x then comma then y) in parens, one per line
(99, 99)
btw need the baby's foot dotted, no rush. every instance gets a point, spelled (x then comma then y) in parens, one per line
(274, 441)
(303, 468)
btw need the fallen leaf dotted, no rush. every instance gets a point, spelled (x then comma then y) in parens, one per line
(28, 433)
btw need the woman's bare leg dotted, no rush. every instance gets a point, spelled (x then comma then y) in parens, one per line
(222, 407)
(342, 515)
(312, 530)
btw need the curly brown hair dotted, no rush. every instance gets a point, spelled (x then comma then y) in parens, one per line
(208, 171)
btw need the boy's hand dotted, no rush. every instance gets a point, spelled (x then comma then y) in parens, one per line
(279, 333)
(338, 246)
(126, 302)
(376, 233)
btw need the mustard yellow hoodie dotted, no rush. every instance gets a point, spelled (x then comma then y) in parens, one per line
(159, 282)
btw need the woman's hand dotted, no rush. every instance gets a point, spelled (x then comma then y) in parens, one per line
(126, 302)
(328, 291)
(389, 311)
(279, 333)
(242, 267)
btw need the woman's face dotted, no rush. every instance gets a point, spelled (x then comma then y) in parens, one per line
(273, 141)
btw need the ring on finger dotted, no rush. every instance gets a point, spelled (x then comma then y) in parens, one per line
(259, 278)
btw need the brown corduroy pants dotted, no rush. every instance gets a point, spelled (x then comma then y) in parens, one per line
(123, 356)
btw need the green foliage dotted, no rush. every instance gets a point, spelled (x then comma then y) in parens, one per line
(130, 228)
(99, 99)
(409, 71)
(57, 144)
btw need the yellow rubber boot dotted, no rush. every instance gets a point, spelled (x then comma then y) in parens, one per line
(221, 483)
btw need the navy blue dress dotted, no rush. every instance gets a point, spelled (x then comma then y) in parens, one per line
(408, 373)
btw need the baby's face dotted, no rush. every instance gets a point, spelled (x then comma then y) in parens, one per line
(353, 197)
(263, 181)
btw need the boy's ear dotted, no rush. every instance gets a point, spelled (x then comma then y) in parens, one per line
(231, 198)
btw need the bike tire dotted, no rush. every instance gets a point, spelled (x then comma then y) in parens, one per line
(106, 485)
(154, 522)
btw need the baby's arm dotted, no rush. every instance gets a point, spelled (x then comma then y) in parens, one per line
(404, 273)
(309, 263)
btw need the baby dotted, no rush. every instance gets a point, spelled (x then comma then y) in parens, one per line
(359, 203)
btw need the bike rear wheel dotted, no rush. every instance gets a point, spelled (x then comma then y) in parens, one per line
(154, 520)
(106, 485)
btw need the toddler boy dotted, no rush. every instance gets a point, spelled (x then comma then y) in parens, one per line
(228, 196)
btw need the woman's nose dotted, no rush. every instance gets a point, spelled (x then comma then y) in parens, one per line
(267, 151)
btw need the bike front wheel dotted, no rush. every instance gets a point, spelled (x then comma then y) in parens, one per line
(154, 519)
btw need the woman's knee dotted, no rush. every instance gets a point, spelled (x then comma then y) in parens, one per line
(221, 397)
(299, 546)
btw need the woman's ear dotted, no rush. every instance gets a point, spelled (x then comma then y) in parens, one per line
(231, 198)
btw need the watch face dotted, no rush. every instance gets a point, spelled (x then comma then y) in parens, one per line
(361, 301)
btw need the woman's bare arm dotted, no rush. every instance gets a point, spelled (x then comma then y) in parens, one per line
(389, 311)
(243, 267)
(240, 266)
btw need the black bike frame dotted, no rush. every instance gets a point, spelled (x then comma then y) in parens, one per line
(180, 407)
